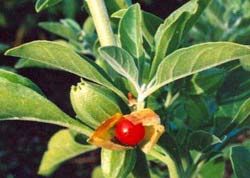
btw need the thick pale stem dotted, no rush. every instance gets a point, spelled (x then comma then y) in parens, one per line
(102, 23)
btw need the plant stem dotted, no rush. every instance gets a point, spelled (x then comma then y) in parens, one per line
(171, 165)
(106, 36)
(102, 23)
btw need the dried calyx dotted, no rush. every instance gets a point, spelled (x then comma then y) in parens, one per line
(120, 132)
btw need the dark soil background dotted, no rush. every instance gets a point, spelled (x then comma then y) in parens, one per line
(22, 143)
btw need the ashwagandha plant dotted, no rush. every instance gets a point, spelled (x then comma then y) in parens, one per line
(142, 99)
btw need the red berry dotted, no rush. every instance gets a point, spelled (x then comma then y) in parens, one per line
(128, 133)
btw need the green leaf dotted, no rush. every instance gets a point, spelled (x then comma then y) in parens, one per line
(212, 169)
(141, 168)
(44, 4)
(235, 88)
(224, 116)
(150, 24)
(117, 163)
(170, 34)
(61, 148)
(245, 64)
(149, 27)
(197, 58)
(206, 82)
(25, 63)
(242, 118)
(201, 140)
(21, 103)
(18, 79)
(97, 173)
(240, 159)
(62, 29)
(115, 5)
(197, 111)
(59, 56)
(130, 31)
(121, 61)
(93, 104)
(229, 110)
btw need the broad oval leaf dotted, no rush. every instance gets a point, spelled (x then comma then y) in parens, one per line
(43, 4)
(18, 79)
(61, 148)
(240, 159)
(170, 34)
(64, 58)
(187, 61)
(117, 163)
(121, 61)
(93, 104)
(21, 103)
(130, 31)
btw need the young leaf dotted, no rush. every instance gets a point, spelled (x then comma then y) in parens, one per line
(187, 61)
(21, 103)
(43, 4)
(121, 61)
(169, 35)
(130, 31)
(149, 27)
(150, 24)
(18, 79)
(93, 104)
(117, 163)
(64, 58)
(61, 148)
(240, 159)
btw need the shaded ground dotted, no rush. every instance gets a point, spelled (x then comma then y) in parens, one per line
(23, 143)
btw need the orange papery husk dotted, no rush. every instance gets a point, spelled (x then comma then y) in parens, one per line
(103, 136)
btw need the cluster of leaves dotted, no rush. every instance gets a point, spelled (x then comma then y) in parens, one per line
(199, 101)
(224, 20)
